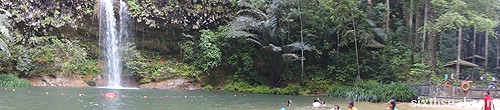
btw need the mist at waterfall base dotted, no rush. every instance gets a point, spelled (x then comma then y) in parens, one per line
(113, 40)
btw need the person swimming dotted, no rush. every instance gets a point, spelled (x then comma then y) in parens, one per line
(290, 103)
(316, 103)
(109, 94)
(336, 107)
(322, 102)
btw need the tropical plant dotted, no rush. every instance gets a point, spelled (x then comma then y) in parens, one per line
(261, 28)
(11, 80)
(204, 51)
(374, 91)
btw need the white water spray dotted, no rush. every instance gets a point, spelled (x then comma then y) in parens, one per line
(112, 41)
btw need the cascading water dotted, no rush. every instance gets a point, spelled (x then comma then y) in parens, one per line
(112, 41)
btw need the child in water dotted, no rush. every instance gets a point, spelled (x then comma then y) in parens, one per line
(316, 103)
(392, 105)
(336, 107)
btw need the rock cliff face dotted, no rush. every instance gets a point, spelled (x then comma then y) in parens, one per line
(60, 82)
(172, 84)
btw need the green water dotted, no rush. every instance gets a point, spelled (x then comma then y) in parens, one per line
(35, 98)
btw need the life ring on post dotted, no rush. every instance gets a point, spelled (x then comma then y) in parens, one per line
(465, 86)
(447, 84)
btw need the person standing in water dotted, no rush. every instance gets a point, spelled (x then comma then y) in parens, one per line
(392, 105)
(336, 107)
(351, 106)
(488, 102)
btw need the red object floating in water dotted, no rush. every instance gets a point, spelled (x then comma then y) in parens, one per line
(109, 94)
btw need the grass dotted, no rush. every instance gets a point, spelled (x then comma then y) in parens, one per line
(373, 91)
(10, 80)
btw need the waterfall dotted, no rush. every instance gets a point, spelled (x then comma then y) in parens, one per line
(112, 41)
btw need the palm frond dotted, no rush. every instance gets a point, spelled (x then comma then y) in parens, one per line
(296, 46)
(255, 41)
(245, 4)
(274, 48)
(237, 34)
(290, 56)
(255, 13)
(242, 23)
(380, 34)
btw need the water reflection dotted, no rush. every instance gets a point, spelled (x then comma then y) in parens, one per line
(133, 99)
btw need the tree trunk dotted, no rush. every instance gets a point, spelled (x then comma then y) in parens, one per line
(418, 16)
(426, 19)
(474, 46)
(432, 52)
(432, 38)
(370, 6)
(388, 17)
(355, 42)
(410, 21)
(498, 52)
(410, 29)
(459, 48)
(486, 51)
(302, 49)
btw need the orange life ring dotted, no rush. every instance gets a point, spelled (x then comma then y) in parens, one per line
(465, 85)
(447, 84)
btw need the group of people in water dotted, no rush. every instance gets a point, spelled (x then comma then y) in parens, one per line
(318, 103)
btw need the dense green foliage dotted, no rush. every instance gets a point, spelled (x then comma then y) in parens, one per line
(158, 70)
(10, 80)
(375, 92)
(264, 46)
(262, 89)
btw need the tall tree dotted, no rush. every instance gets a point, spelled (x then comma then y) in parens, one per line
(486, 50)
(351, 10)
(260, 28)
(452, 18)
(432, 45)
(459, 51)
(427, 8)
(388, 16)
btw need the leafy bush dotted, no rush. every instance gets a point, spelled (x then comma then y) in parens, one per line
(291, 89)
(241, 86)
(418, 72)
(203, 52)
(11, 80)
(375, 92)
(90, 68)
(208, 88)
(151, 70)
(90, 83)
(237, 86)
(50, 55)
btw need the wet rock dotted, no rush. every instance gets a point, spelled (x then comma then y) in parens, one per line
(59, 82)
(172, 84)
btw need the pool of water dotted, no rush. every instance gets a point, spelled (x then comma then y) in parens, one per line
(53, 98)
